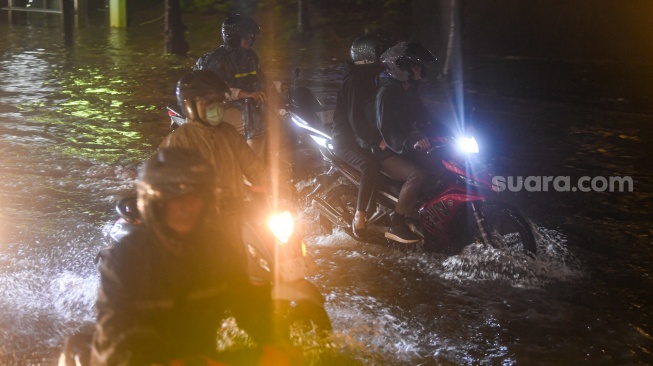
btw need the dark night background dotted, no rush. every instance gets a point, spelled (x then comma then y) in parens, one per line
(582, 51)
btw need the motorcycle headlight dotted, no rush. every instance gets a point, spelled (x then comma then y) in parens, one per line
(467, 145)
(282, 226)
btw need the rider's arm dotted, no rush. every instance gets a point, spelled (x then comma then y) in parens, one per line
(361, 110)
(397, 132)
(251, 165)
(119, 336)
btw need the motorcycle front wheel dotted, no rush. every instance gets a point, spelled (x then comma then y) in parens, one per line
(301, 315)
(343, 198)
(505, 228)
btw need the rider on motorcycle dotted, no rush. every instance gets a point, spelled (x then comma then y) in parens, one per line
(165, 287)
(400, 114)
(236, 62)
(354, 129)
(201, 95)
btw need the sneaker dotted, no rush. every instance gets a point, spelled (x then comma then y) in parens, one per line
(358, 233)
(402, 234)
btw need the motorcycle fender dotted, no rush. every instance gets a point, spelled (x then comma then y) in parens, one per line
(297, 291)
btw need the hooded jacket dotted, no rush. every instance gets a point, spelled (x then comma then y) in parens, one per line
(227, 151)
(399, 112)
(353, 118)
(156, 305)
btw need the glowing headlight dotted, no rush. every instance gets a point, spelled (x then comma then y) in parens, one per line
(282, 225)
(467, 145)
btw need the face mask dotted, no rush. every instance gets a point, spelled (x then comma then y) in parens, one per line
(214, 114)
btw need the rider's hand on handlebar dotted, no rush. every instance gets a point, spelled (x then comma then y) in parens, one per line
(422, 144)
(383, 145)
(259, 96)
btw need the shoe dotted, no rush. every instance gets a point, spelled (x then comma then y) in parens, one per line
(358, 233)
(413, 222)
(402, 233)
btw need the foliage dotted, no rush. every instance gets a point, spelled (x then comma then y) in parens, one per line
(221, 6)
(204, 6)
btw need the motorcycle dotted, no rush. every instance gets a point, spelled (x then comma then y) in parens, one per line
(276, 254)
(459, 209)
(297, 156)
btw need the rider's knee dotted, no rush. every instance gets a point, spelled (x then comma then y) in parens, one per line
(417, 177)
(371, 166)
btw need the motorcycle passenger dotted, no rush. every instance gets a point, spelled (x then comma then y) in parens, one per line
(399, 112)
(354, 130)
(238, 65)
(201, 95)
(165, 287)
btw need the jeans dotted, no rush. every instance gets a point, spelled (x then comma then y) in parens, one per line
(369, 168)
(404, 170)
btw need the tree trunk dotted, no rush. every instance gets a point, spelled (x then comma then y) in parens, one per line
(453, 36)
(302, 16)
(175, 43)
(436, 25)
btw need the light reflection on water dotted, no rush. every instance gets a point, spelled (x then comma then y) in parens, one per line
(395, 306)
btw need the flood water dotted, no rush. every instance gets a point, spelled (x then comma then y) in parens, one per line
(76, 122)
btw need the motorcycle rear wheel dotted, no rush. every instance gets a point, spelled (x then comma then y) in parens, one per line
(506, 228)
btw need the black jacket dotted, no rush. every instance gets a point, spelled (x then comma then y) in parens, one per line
(399, 113)
(154, 305)
(237, 66)
(353, 118)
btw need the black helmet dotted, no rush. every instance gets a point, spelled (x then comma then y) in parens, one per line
(237, 26)
(368, 48)
(197, 84)
(170, 173)
(398, 59)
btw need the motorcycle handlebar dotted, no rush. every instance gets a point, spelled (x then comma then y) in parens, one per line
(436, 143)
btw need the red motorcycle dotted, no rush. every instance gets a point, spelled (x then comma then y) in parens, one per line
(458, 209)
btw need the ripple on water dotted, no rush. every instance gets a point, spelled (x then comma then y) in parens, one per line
(403, 306)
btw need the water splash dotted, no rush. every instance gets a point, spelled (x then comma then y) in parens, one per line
(479, 263)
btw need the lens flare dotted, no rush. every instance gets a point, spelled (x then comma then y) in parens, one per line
(282, 226)
(468, 145)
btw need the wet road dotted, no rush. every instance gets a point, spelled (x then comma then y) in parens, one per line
(74, 125)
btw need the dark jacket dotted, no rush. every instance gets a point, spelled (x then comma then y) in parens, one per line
(399, 112)
(237, 66)
(353, 118)
(226, 150)
(155, 305)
